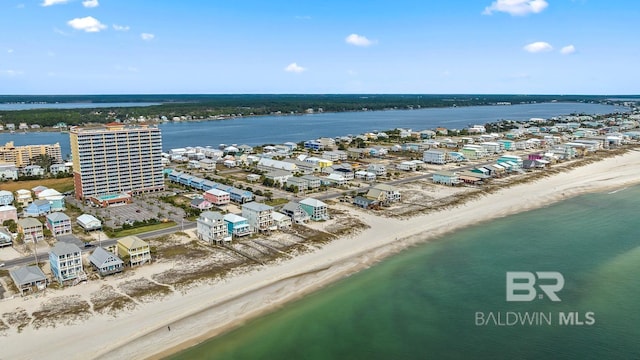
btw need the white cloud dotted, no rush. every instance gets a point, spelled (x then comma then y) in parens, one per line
(516, 7)
(87, 24)
(10, 51)
(303, 17)
(53, 2)
(117, 27)
(294, 68)
(90, 3)
(147, 36)
(538, 46)
(358, 40)
(569, 49)
(20, 6)
(10, 73)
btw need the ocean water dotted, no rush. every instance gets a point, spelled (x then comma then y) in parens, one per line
(422, 303)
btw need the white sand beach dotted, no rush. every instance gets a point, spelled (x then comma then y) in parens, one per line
(202, 312)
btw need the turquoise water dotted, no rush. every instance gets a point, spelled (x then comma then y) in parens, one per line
(421, 304)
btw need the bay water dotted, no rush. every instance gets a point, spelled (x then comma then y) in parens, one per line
(261, 130)
(424, 302)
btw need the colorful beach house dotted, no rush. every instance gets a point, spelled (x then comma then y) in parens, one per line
(511, 159)
(28, 278)
(55, 199)
(59, 223)
(105, 262)
(201, 204)
(135, 250)
(31, 229)
(38, 208)
(316, 209)
(6, 197)
(23, 197)
(237, 225)
(65, 260)
(217, 197)
(258, 215)
(8, 212)
(446, 178)
(212, 228)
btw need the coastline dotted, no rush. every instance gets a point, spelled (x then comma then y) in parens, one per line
(210, 310)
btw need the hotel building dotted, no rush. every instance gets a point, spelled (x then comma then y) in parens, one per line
(21, 156)
(116, 159)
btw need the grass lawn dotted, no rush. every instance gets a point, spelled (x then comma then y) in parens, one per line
(277, 201)
(142, 229)
(62, 185)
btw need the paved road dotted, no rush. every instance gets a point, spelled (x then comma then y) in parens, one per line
(42, 256)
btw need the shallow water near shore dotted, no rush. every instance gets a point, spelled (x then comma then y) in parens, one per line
(424, 302)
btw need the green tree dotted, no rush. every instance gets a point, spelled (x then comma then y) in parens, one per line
(11, 225)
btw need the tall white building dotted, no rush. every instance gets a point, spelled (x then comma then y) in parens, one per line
(116, 159)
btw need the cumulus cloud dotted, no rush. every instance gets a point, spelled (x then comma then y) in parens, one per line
(53, 2)
(90, 3)
(117, 27)
(516, 7)
(538, 46)
(358, 40)
(87, 24)
(569, 49)
(147, 36)
(294, 68)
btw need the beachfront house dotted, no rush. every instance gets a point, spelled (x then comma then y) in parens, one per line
(446, 178)
(89, 222)
(281, 221)
(316, 209)
(295, 212)
(212, 228)
(258, 215)
(134, 250)
(59, 223)
(377, 169)
(31, 229)
(65, 260)
(384, 194)
(313, 182)
(28, 278)
(237, 225)
(105, 262)
(278, 177)
(363, 202)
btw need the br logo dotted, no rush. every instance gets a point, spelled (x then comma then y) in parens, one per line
(521, 285)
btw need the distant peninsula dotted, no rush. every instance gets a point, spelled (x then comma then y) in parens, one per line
(203, 107)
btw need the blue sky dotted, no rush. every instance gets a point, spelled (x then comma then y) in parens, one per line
(275, 46)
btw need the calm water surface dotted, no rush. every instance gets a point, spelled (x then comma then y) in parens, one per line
(421, 304)
(278, 129)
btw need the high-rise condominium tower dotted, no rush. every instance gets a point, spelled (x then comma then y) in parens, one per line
(116, 159)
